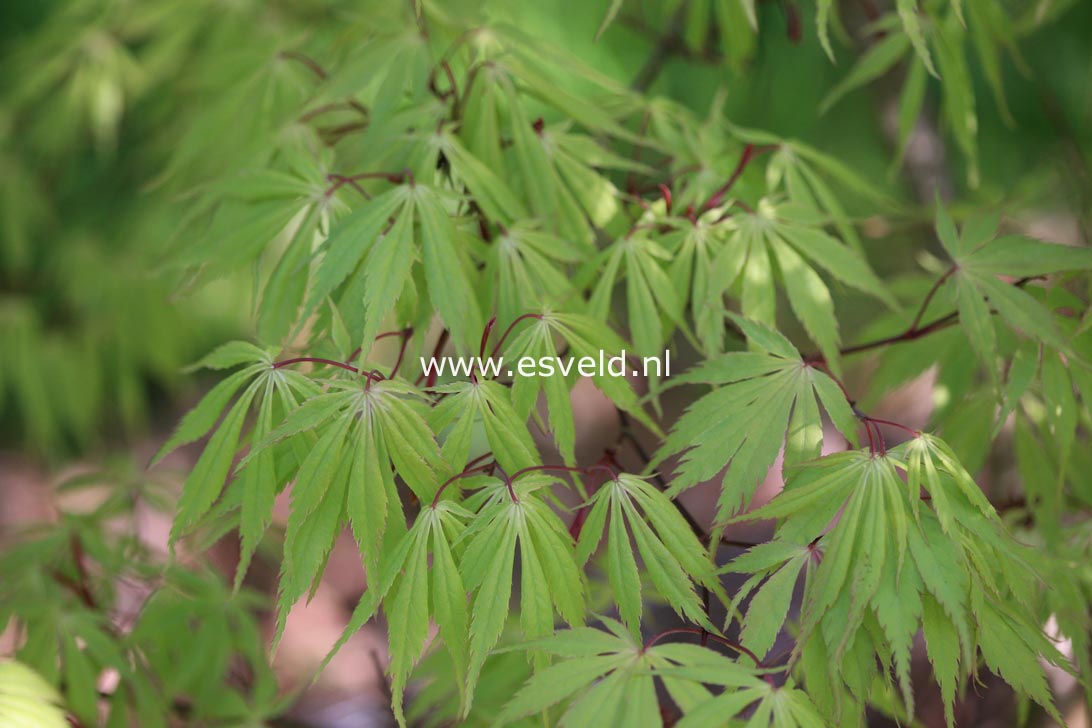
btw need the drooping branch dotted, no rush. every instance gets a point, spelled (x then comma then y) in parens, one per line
(915, 330)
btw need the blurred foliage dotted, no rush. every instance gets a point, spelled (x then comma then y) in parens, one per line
(88, 596)
(92, 98)
(757, 182)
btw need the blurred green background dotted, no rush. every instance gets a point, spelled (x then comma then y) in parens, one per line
(100, 101)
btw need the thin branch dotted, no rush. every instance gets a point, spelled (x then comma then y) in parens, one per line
(316, 360)
(911, 333)
(311, 64)
(430, 378)
(700, 632)
(889, 423)
(567, 469)
(665, 47)
(504, 336)
(459, 476)
(750, 152)
(929, 296)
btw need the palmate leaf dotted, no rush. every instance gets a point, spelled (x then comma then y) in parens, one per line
(467, 403)
(785, 243)
(766, 392)
(873, 63)
(892, 563)
(743, 693)
(246, 216)
(423, 590)
(606, 677)
(348, 442)
(563, 191)
(701, 270)
(528, 267)
(673, 557)
(350, 240)
(934, 40)
(276, 391)
(551, 580)
(383, 240)
(584, 337)
(774, 568)
(650, 297)
(979, 259)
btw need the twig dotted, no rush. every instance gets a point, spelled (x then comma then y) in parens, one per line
(750, 152)
(699, 632)
(310, 63)
(663, 50)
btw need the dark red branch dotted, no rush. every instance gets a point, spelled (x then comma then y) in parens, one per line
(511, 326)
(307, 62)
(914, 331)
(440, 343)
(466, 472)
(699, 632)
(568, 469)
(929, 297)
(750, 152)
(889, 423)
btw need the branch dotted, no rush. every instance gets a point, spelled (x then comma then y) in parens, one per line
(701, 633)
(915, 330)
(667, 45)
(749, 153)
(310, 63)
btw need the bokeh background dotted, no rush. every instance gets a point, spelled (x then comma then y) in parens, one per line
(99, 100)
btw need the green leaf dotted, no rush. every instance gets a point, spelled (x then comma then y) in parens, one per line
(672, 555)
(351, 239)
(491, 555)
(206, 480)
(1007, 652)
(259, 486)
(608, 18)
(488, 402)
(447, 271)
(27, 700)
(942, 643)
(741, 424)
(977, 323)
(198, 421)
(229, 355)
(769, 607)
(873, 63)
(1021, 256)
(386, 272)
(908, 13)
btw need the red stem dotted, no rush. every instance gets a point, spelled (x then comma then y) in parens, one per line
(489, 467)
(485, 335)
(889, 423)
(929, 297)
(373, 376)
(568, 469)
(749, 153)
(440, 342)
(458, 476)
(311, 64)
(338, 181)
(913, 331)
(871, 440)
(699, 632)
(316, 360)
(511, 326)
